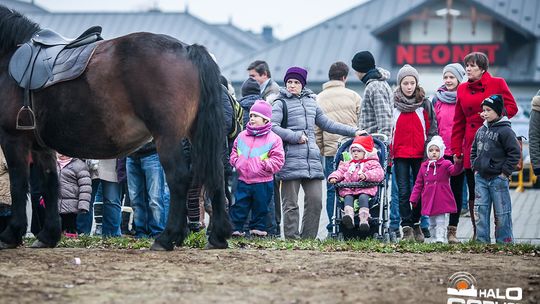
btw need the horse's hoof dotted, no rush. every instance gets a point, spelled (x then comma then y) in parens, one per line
(158, 247)
(223, 245)
(7, 246)
(39, 244)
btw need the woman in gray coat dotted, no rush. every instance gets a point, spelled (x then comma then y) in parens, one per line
(534, 134)
(297, 108)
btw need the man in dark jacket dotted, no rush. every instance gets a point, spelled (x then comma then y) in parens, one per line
(495, 154)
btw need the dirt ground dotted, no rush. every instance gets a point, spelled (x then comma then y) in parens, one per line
(251, 276)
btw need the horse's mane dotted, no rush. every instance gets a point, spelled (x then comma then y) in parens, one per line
(15, 29)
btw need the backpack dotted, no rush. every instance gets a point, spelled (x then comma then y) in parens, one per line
(285, 116)
(237, 118)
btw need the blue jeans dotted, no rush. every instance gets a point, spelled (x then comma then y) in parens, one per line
(251, 197)
(330, 190)
(148, 193)
(112, 210)
(493, 191)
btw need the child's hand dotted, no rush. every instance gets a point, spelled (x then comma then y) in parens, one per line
(363, 177)
(332, 181)
(414, 204)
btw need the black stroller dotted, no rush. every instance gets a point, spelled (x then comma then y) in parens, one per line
(378, 205)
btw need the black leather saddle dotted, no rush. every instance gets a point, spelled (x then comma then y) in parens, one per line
(49, 58)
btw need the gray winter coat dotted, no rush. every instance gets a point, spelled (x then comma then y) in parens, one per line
(302, 160)
(534, 132)
(75, 187)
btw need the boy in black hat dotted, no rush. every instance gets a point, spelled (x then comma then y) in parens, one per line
(495, 154)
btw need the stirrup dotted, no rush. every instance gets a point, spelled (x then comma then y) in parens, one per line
(30, 115)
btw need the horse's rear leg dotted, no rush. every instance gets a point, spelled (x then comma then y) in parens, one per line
(178, 178)
(50, 234)
(17, 157)
(220, 226)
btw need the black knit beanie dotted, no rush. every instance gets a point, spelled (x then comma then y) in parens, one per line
(251, 87)
(363, 62)
(495, 102)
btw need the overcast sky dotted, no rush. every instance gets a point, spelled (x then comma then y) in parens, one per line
(287, 17)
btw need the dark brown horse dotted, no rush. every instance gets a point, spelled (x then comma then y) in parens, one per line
(134, 88)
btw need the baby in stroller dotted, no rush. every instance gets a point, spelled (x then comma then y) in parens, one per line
(363, 166)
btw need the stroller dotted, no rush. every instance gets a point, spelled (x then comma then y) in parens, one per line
(378, 205)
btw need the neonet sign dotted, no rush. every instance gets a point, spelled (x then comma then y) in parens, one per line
(442, 54)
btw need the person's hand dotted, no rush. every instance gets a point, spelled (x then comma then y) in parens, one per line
(303, 139)
(362, 177)
(458, 159)
(332, 181)
(361, 132)
(413, 204)
(504, 176)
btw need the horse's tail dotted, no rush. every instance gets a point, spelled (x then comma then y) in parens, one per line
(208, 138)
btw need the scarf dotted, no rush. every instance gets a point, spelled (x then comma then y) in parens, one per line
(371, 74)
(63, 162)
(445, 96)
(409, 104)
(258, 131)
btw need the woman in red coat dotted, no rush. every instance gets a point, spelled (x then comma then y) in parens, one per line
(467, 119)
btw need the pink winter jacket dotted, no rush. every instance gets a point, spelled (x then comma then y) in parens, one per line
(257, 158)
(445, 120)
(349, 172)
(433, 185)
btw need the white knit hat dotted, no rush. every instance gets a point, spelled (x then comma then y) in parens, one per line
(436, 141)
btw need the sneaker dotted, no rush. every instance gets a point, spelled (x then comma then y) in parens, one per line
(418, 235)
(259, 233)
(408, 234)
(348, 217)
(426, 232)
(363, 215)
(238, 234)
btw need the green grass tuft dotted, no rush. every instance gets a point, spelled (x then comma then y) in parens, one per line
(199, 240)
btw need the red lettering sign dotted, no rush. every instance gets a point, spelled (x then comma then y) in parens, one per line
(442, 54)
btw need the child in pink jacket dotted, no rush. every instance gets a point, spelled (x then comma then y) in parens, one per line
(433, 187)
(363, 167)
(257, 155)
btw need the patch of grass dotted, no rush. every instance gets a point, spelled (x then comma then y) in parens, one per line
(199, 240)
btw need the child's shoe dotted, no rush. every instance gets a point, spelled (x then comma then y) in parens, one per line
(71, 235)
(348, 217)
(363, 215)
(452, 235)
(259, 233)
(408, 234)
(238, 234)
(418, 235)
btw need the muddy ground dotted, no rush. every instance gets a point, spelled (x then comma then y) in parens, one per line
(251, 276)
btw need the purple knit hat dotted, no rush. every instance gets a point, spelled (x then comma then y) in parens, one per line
(296, 73)
(262, 108)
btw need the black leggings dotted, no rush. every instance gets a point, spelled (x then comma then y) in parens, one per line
(69, 222)
(470, 183)
(456, 183)
(363, 200)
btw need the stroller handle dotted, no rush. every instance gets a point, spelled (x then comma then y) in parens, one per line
(358, 185)
(383, 137)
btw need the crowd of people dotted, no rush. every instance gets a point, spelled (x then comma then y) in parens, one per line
(290, 140)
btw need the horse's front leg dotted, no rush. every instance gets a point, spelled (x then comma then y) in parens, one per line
(50, 234)
(176, 169)
(17, 157)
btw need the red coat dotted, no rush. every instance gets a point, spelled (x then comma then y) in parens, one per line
(467, 118)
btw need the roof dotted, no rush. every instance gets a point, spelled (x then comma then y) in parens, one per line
(22, 6)
(340, 37)
(227, 42)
